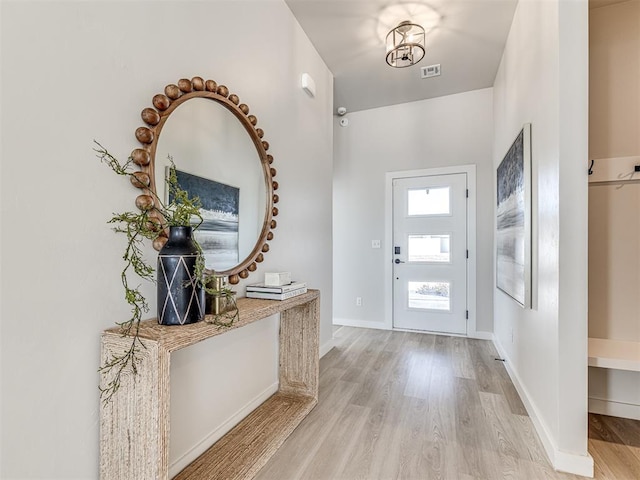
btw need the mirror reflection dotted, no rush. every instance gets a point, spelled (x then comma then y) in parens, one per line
(217, 161)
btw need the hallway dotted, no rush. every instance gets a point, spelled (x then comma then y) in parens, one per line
(409, 406)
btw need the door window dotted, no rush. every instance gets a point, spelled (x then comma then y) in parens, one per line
(430, 295)
(429, 201)
(429, 248)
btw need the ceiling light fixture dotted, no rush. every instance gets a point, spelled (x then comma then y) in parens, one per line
(405, 45)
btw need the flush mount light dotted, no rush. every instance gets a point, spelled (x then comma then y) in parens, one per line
(405, 45)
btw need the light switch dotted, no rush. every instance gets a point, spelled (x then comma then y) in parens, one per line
(375, 243)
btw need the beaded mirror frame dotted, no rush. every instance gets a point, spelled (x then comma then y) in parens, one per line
(163, 105)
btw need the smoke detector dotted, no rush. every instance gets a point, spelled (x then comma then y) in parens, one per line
(430, 71)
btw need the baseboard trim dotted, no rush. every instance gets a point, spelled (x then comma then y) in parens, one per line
(571, 463)
(326, 347)
(347, 322)
(561, 461)
(481, 335)
(614, 409)
(178, 465)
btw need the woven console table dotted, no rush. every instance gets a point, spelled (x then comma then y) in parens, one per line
(134, 425)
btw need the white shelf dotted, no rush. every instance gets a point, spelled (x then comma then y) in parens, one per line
(615, 354)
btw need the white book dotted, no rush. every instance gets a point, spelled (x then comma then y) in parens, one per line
(277, 296)
(261, 287)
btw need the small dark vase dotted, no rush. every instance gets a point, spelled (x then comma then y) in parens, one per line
(180, 296)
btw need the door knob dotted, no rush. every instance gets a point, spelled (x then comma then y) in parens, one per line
(397, 260)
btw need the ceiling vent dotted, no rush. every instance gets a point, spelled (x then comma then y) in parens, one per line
(430, 71)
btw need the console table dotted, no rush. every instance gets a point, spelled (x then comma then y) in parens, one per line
(134, 425)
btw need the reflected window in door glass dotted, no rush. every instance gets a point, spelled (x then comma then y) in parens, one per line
(429, 248)
(430, 295)
(428, 201)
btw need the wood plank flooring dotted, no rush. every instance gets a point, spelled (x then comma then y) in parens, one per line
(410, 406)
(614, 444)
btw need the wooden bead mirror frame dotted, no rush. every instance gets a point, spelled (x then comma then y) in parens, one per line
(155, 118)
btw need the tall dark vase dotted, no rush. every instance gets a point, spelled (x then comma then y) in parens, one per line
(180, 297)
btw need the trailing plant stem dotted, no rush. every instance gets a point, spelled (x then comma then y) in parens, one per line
(181, 210)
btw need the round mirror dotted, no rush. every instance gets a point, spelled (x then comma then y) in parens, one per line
(216, 161)
(220, 157)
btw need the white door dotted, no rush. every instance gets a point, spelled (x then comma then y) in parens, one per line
(430, 253)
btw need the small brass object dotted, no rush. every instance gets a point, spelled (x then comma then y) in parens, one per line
(222, 300)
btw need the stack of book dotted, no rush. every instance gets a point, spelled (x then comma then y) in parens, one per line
(260, 290)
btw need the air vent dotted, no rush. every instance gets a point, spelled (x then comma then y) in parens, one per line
(430, 71)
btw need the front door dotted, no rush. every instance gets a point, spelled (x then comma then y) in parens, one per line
(430, 253)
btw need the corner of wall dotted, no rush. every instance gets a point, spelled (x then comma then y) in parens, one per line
(561, 461)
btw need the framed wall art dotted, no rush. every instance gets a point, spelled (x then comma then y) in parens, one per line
(218, 233)
(513, 220)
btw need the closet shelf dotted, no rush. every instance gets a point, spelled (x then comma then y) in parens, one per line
(614, 354)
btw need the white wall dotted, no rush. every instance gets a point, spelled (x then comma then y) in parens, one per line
(614, 71)
(543, 79)
(440, 132)
(614, 226)
(77, 71)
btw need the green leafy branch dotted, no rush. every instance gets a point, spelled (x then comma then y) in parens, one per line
(138, 227)
(229, 316)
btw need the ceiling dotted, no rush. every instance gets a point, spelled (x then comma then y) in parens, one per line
(466, 37)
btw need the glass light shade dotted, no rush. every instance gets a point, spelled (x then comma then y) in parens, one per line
(405, 45)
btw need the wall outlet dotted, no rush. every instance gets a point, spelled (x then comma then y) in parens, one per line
(358, 301)
(375, 243)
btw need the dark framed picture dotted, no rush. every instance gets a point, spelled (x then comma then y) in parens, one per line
(218, 234)
(513, 220)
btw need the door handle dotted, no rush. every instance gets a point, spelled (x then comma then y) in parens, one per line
(397, 260)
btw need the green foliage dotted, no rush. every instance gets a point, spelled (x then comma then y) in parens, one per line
(231, 314)
(182, 210)
(217, 288)
(138, 227)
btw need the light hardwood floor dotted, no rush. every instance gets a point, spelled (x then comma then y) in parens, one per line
(410, 406)
(614, 444)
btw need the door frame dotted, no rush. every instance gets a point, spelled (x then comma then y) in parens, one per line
(470, 170)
